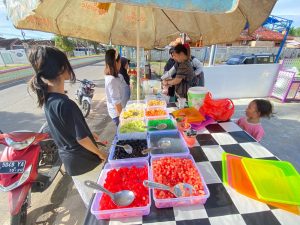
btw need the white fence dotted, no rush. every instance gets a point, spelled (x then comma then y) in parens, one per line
(17, 56)
(240, 81)
(223, 52)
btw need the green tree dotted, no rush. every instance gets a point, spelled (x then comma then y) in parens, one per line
(295, 31)
(95, 46)
(292, 31)
(88, 43)
(64, 43)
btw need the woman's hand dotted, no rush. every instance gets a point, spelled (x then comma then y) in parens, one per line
(102, 155)
(96, 137)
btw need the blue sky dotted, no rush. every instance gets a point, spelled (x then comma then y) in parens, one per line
(284, 8)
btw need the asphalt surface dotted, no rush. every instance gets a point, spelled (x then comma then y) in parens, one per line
(60, 203)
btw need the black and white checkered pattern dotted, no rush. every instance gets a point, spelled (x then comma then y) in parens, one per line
(225, 205)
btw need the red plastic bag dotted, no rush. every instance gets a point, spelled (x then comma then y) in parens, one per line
(218, 109)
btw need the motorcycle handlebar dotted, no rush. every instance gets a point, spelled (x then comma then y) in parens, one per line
(88, 81)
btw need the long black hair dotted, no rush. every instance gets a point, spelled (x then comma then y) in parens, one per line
(123, 70)
(48, 63)
(111, 59)
(264, 107)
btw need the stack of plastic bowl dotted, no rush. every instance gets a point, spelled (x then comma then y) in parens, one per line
(276, 183)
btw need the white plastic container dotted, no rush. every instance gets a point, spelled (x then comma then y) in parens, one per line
(196, 96)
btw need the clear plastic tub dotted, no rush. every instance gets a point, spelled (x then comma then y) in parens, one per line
(116, 161)
(132, 113)
(124, 135)
(156, 103)
(124, 212)
(156, 117)
(172, 143)
(171, 124)
(151, 87)
(182, 201)
(133, 104)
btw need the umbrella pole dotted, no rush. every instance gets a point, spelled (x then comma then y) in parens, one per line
(138, 52)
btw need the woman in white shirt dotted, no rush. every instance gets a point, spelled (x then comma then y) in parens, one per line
(114, 85)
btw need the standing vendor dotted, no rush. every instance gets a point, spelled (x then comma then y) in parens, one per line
(184, 72)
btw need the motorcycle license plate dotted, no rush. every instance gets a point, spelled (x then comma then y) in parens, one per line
(12, 166)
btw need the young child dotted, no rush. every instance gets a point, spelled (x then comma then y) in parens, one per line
(257, 109)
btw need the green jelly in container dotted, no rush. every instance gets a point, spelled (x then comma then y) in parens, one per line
(154, 123)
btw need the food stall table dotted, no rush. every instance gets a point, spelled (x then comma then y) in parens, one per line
(225, 205)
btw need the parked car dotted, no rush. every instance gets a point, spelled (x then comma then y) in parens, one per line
(251, 59)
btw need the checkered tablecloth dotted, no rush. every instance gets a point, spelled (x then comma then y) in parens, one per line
(225, 206)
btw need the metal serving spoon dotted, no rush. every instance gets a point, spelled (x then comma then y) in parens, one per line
(161, 126)
(120, 198)
(179, 190)
(126, 147)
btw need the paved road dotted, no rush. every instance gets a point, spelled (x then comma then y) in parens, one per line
(7, 76)
(60, 204)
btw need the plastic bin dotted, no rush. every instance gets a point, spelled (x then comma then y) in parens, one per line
(136, 113)
(164, 116)
(192, 115)
(124, 212)
(133, 104)
(133, 134)
(150, 103)
(182, 201)
(151, 87)
(116, 161)
(169, 121)
(174, 138)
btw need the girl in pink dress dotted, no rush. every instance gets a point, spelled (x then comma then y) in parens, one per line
(257, 109)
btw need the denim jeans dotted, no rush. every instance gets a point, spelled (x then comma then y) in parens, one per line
(116, 121)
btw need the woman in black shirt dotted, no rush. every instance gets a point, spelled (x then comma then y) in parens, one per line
(76, 143)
